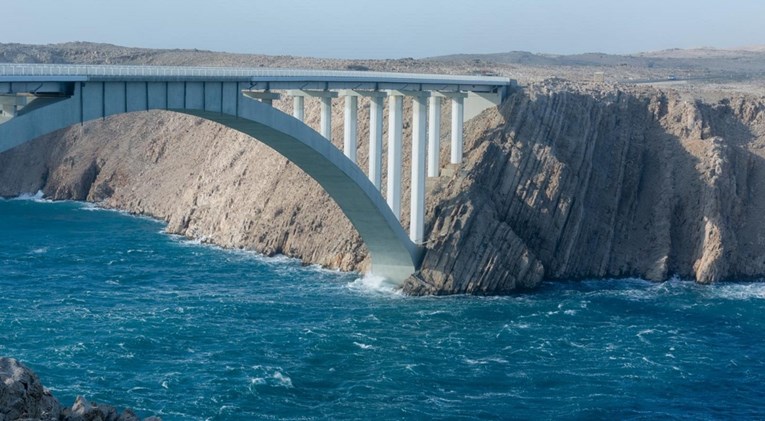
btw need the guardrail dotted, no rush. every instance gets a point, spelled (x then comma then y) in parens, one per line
(235, 73)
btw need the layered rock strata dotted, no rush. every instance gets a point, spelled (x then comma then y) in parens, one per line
(567, 183)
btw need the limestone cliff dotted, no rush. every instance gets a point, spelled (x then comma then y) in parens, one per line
(567, 183)
(561, 182)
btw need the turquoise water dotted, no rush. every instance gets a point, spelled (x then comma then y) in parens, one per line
(103, 304)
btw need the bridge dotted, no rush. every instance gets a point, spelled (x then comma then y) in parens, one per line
(39, 99)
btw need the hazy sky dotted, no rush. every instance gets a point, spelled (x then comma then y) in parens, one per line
(389, 28)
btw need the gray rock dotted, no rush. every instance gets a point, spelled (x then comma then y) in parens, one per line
(22, 396)
(128, 415)
(83, 410)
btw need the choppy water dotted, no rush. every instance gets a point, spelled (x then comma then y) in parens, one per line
(105, 305)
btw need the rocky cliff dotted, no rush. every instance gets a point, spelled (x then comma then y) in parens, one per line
(568, 182)
(561, 182)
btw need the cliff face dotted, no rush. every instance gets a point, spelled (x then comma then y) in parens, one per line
(561, 182)
(570, 183)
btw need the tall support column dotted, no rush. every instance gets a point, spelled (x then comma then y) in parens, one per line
(395, 129)
(375, 129)
(458, 117)
(350, 127)
(326, 117)
(434, 136)
(326, 107)
(375, 141)
(298, 107)
(417, 188)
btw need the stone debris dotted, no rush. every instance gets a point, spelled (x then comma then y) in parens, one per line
(23, 398)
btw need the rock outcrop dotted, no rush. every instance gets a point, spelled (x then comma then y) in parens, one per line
(23, 397)
(567, 182)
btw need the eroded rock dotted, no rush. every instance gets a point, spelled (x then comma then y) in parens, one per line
(23, 398)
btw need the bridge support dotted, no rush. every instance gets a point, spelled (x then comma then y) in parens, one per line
(395, 130)
(434, 136)
(375, 129)
(375, 140)
(350, 127)
(458, 119)
(298, 107)
(266, 97)
(325, 126)
(326, 117)
(417, 187)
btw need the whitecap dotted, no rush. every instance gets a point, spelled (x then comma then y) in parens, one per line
(645, 332)
(738, 291)
(36, 197)
(89, 206)
(282, 380)
(373, 284)
(363, 346)
(484, 361)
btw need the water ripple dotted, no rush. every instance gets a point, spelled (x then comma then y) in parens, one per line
(102, 304)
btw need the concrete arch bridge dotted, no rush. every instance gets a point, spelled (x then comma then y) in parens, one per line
(39, 99)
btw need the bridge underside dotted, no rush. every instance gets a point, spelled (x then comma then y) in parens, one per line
(53, 106)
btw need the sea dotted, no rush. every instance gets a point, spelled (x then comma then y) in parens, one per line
(107, 305)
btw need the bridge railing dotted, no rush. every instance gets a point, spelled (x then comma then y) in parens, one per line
(235, 73)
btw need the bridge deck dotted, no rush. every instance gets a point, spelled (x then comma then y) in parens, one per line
(260, 78)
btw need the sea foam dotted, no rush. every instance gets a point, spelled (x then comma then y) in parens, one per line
(33, 197)
(374, 284)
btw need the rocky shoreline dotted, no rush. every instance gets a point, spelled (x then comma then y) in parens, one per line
(24, 398)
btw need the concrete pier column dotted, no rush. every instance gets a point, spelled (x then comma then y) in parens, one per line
(458, 118)
(298, 107)
(417, 188)
(350, 126)
(395, 129)
(375, 140)
(375, 129)
(434, 136)
(326, 117)
(325, 127)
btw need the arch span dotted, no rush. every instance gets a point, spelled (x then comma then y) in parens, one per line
(393, 254)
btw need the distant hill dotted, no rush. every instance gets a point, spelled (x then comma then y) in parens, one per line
(748, 59)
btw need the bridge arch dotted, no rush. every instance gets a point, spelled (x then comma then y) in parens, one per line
(393, 254)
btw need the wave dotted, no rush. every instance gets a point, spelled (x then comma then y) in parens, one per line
(738, 291)
(32, 197)
(374, 285)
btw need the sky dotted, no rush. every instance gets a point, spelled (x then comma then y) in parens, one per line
(390, 28)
